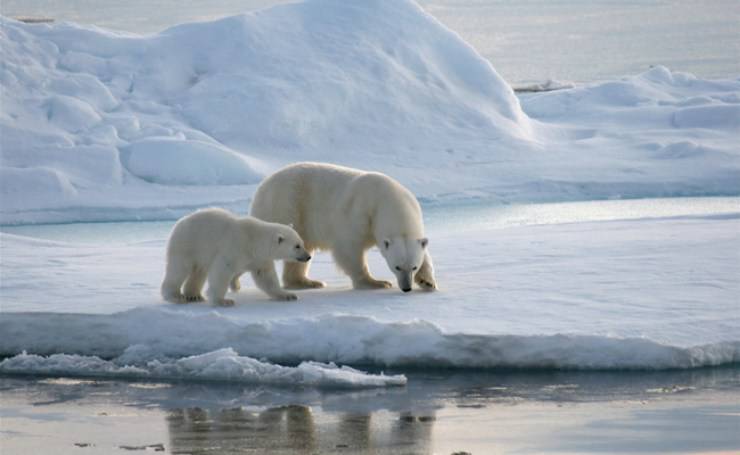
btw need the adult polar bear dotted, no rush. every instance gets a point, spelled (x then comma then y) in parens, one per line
(347, 211)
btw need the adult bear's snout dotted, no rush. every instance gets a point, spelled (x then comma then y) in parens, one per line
(404, 282)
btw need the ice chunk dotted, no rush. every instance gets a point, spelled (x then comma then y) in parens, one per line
(221, 365)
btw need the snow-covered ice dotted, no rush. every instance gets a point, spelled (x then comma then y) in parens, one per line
(647, 292)
(100, 126)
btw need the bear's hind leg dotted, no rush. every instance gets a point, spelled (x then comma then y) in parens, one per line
(351, 259)
(175, 275)
(294, 276)
(194, 285)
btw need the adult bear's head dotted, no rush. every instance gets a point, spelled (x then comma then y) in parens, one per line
(404, 256)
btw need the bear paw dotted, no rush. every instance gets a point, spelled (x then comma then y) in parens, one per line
(175, 298)
(425, 281)
(286, 296)
(225, 302)
(371, 283)
(427, 285)
(193, 298)
(304, 284)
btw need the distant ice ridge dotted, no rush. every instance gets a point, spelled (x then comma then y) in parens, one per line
(221, 365)
(345, 339)
(97, 125)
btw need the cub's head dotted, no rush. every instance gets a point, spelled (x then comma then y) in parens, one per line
(404, 256)
(288, 245)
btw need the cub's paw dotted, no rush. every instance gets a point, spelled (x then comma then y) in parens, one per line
(225, 302)
(235, 285)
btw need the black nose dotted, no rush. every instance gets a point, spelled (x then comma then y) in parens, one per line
(307, 258)
(406, 289)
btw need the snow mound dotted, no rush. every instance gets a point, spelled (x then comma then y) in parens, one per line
(222, 365)
(376, 84)
(346, 339)
(324, 79)
(175, 162)
(656, 97)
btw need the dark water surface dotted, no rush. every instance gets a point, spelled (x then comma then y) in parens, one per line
(695, 411)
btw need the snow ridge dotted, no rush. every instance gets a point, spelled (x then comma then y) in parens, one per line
(345, 339)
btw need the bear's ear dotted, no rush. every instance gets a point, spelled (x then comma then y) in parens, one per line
(424, 242)
(280, 239)
(386, 243)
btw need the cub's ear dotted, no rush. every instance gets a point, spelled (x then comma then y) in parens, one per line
(386, 243)
(291, 225)
(424, 242)
(280, 239)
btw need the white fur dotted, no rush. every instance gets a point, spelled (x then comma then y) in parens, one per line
(214, 245)
(347, 211)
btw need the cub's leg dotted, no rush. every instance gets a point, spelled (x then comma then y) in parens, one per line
(266, 279)
(218, 282)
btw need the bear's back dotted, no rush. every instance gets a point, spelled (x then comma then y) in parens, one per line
(203, 234)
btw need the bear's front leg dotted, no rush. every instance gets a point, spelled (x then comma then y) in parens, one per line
(218, 282)
(235, 285)
(351, 259)
(425, 276)
(294, 276)
(266, 279)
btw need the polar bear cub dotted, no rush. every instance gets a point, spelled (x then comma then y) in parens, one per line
(347, 211)
(214, 245)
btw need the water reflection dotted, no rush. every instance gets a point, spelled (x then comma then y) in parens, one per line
(197, 430)
(436, 405)
(292, 429)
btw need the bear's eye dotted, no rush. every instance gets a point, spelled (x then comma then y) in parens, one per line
(398, 268)
(415, 267)
(297, 247)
